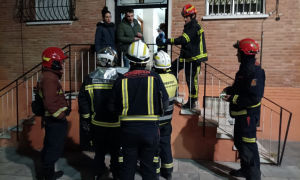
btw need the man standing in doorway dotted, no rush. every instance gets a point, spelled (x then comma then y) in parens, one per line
(193, 52)
(129, 30)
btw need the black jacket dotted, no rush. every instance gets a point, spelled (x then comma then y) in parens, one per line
(247, 90)
(105, 36)
(93, 100)
(192, 41)
(139, 98)
(160, 40)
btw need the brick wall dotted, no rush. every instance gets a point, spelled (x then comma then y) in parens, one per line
(281, 50)
(281, 53)
(37, 38)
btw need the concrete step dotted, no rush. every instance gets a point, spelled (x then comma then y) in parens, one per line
(15, 129)
(5, 135)
(30, 120)
(265, 156)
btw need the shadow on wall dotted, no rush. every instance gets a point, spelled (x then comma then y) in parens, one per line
(187, 137)
(76, 165)
(188, 143)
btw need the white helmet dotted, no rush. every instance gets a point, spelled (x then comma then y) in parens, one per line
(107, 57)
(162, 60)
(138, 52)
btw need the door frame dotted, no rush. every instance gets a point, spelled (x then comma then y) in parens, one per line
(120, 9)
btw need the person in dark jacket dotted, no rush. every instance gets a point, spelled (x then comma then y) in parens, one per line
(105, 126)
(106, 32)
(193, 52)
(245, 100)
(160, 39)
(56, 110)
(139, 98)
(129, 30)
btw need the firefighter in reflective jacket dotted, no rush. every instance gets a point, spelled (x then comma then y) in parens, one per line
(193, 52)
(56, 110)
(92, 101)
(245, 100)
(162, 67)
(139, 97)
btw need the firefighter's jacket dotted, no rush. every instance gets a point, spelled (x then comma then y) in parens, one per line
(171, 85)
(139, 98)
(50, 89)
(93, 97)
(192, 41)
(247, 90)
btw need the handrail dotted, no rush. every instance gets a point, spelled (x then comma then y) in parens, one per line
(234, 79)
(21, 76)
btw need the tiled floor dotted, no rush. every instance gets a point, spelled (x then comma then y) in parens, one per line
(18, 164)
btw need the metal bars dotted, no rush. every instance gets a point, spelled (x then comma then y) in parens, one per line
(44, 10)
(234, 7)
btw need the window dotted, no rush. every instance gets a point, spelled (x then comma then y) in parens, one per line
(140, 2)
(227, 9)
(45, 11)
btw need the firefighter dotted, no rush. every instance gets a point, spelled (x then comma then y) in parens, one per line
(139, 97)
(92, 101)
(162, 67)
(245, 100)
(56, 110)
(193, 52)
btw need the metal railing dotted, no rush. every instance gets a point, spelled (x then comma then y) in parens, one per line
(44, 10)
(272, 118)
(17, 96)
(82, 61)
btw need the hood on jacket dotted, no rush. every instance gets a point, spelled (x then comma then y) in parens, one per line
(104, 24)
(57, 72)
(135, 22)
(192, 23)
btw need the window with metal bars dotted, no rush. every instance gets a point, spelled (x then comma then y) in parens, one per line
(235, 8)
(45, 10)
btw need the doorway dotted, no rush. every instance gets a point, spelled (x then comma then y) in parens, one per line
(149, 16)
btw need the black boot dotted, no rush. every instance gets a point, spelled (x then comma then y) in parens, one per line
(50, 174)
(191, 104)
(237, 173)
(97, 177)
(167, 176)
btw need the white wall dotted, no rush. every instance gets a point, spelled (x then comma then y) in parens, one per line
(148, 29)
(139, 12)
(111, 7)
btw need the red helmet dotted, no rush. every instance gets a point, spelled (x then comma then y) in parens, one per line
(248, 46)
(188, 10)
(52, 58)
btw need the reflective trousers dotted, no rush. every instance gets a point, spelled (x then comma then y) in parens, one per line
(192, 69)
(245, 142)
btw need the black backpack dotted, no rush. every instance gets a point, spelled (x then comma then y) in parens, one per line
(37, 104)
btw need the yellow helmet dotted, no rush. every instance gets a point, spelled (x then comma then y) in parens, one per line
(138, 52)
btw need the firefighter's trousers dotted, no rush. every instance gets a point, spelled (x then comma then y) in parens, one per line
(165, 152)
(245, 142)
(54, 141)
(105, 140)
(143, 146)
(192, 70)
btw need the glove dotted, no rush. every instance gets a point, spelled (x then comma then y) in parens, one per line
(67, 112)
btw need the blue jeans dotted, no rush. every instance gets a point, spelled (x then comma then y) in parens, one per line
(126, 61)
